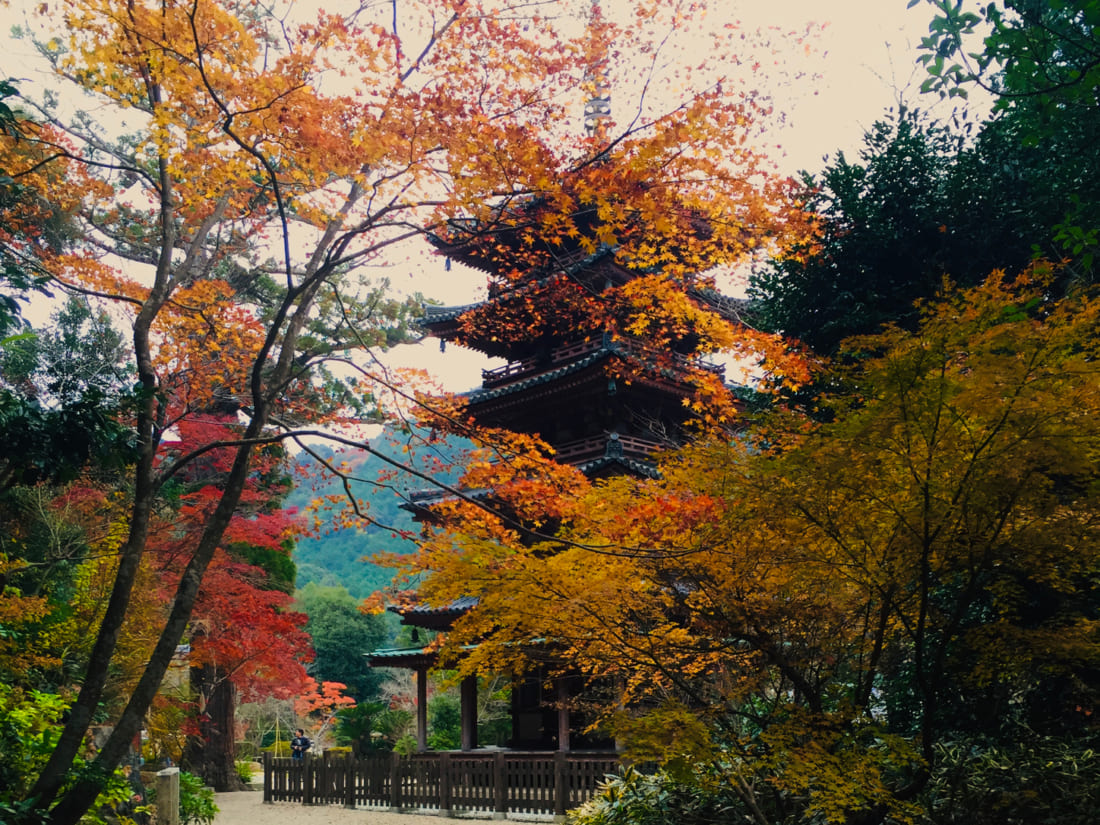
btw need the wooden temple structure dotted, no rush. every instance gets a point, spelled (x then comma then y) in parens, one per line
(606, 401)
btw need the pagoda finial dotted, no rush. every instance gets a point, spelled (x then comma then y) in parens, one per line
(597, 110)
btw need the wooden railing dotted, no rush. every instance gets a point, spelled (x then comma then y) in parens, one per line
(499, 781)
(633, 446)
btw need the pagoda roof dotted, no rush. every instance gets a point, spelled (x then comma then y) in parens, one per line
(443, 321)
(491, 245)
(410, 658)
(439, 314)
(607, 464)
(575, 359)
(545, 377)
(434, 617)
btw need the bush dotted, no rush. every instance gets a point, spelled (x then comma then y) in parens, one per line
(245, 770)
(444, 722)
(1042, 779)
(279, 748)
(405, 746)
(634, 798)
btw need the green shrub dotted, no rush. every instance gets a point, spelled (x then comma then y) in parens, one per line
(1037, 780)
(196, 801)
(634, 798)
(444, 723)
(405, 746)
(245, 770)
(279, 748)
(29, 724)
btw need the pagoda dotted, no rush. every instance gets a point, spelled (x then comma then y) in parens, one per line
(606, 401)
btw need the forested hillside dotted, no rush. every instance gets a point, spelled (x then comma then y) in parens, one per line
(338, 555)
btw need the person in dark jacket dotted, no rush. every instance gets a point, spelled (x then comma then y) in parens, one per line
(299, 745)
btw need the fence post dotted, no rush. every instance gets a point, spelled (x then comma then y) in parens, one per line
(307, 779)
(351, 774)
(561, 785)
(395, 782)
(500, 786)
(168, 796)
(444, 784)
(267, 776)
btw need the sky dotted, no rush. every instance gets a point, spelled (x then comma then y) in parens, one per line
(861, 62)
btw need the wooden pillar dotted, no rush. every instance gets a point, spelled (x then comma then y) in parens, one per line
(351, 776)
(395, 782)
(307, 769)
(500, 786)
(517, 685)
(468, 695)
(444, 784)
(563, 713)
(422, 708)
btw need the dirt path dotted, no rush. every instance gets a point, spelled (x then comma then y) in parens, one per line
(248, 808)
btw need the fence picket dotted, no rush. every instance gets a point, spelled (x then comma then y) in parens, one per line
(501, 781)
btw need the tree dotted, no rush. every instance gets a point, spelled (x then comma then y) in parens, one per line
(1041, 61)
(245, 641)
(341, 636)
(250, 187)
(924, 204)
(63, 392)
(888, 228)
(817, 610)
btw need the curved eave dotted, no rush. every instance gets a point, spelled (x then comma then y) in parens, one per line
(421, 501)
(411, 658)
(434, 617)
(614, 465)
(731, 309)
(524, 384)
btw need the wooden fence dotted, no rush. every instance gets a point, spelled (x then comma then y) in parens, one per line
(499, 781)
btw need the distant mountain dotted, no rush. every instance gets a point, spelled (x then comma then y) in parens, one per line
(340, 556)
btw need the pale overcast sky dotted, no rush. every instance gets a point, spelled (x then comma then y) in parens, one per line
(864, 59)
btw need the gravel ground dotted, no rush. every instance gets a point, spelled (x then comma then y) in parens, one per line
(248, 808)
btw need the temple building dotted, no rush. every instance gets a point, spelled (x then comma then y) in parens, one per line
(606, 400)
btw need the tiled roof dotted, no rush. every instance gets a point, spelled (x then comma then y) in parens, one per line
(409, 657)
(397, 652)
(437, 314)
(455, 608)
(479, 396)
(642, 468)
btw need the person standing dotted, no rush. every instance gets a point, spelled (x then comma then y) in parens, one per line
(299, 745)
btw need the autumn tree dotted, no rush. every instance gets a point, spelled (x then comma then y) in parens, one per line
(253, 163)
(821, 611)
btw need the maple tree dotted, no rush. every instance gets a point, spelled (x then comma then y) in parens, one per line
(824, 603)
(246, 643)
(253, 164)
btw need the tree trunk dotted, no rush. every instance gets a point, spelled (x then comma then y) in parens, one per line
(212, 754)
